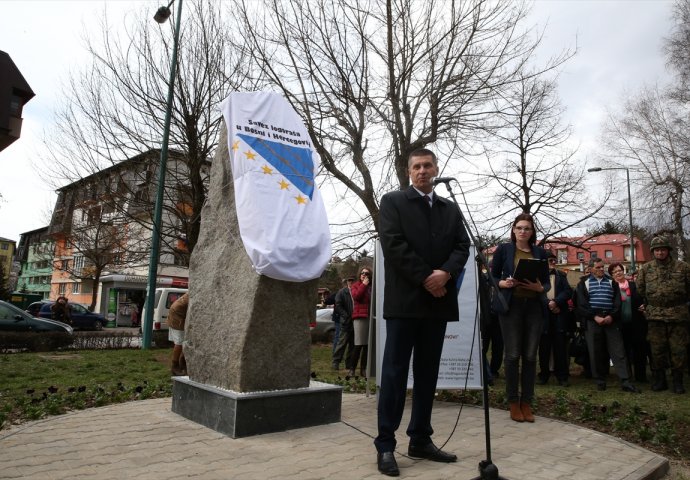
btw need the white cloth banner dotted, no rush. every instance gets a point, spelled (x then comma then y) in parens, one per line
(461, 356)
(282, 218)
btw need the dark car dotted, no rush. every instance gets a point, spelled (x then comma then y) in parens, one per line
(80, 316)
(20, 329)
(35, 307)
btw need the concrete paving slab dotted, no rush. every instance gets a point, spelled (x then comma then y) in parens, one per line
(147, 441)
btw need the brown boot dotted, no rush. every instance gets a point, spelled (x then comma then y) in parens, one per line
(515, 412)
(527, 412)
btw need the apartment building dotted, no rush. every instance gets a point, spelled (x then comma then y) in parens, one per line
(101, 228)
(35, 255)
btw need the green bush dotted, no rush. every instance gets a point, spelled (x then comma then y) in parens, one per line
(34, 341)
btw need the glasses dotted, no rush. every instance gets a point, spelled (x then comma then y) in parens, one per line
(617, 271)
(523, 229)
(365, 273)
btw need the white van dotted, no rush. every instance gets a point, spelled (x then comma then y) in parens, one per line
(165, 297)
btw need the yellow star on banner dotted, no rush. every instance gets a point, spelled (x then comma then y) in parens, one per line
(250, 155)
(301, 200)
(267, 170)
(283, 185)
(236, 145)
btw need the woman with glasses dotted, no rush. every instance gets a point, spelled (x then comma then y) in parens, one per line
(361, 296)
(633, 325)
(522, 322)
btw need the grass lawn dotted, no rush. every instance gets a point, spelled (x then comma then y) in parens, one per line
(35, 385)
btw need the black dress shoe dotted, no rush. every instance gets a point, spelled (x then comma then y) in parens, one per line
(629, 387)
(387, 464)
(431, 452)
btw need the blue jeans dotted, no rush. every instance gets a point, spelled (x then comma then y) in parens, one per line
(521, 326)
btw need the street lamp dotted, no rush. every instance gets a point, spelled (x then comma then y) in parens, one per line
(632, 240)
(161, 16)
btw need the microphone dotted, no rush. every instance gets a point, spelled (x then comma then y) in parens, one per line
(445, 180)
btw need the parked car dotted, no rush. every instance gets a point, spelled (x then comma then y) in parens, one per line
(323, 328)
(20, 329)
(35, 307)
(79, 314)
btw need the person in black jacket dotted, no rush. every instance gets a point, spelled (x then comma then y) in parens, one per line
(523, 321)
(558, 323)
(425, 248)
(346, 336)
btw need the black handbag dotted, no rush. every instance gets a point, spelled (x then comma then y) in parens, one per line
(497, 307)
(578, 348)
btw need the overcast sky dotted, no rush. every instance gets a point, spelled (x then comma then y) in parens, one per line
(619, 48)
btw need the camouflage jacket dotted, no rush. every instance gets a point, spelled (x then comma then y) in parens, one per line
(665, 288)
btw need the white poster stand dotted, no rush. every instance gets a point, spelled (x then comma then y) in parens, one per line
(461, 357)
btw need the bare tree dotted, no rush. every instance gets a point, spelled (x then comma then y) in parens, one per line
(115, 109)
(101, 242)
(650, 136)
(539, 175)
(677, 49)
(375, 80)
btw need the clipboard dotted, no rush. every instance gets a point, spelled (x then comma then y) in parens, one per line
(531, 269)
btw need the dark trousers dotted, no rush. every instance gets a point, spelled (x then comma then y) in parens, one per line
(425, 337)
(492, 339)
(345, 342)
(554, 340)
(605, 342)
(521, 326)
(637, 349)
(336, 335)
(359, 354)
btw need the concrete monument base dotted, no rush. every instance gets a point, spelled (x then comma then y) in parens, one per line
(253, 413)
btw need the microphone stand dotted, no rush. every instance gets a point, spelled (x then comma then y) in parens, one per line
(487, 469)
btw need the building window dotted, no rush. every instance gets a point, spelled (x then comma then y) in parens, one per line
(562, 256)
(593, 255)
(62, 288)
(581, 256)
(76, 287)
(608, 253)
(78, 264)
(4, 246)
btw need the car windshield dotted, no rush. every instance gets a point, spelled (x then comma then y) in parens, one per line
(78, 308)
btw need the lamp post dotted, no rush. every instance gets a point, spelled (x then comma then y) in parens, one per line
(161, 16)
(632, 240)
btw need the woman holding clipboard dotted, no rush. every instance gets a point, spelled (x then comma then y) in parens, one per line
(522, 322)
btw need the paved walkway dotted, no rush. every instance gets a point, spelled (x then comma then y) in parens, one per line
(144, 440)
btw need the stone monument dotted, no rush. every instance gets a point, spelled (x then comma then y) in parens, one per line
(247, 340)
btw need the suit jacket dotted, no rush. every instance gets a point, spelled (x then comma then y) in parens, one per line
(416, 240)
(344, 305)
(562, 293)
(503, 266)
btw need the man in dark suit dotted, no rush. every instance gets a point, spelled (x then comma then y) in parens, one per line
(425, 247)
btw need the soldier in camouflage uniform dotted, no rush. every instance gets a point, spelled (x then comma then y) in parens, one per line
(664, 284)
